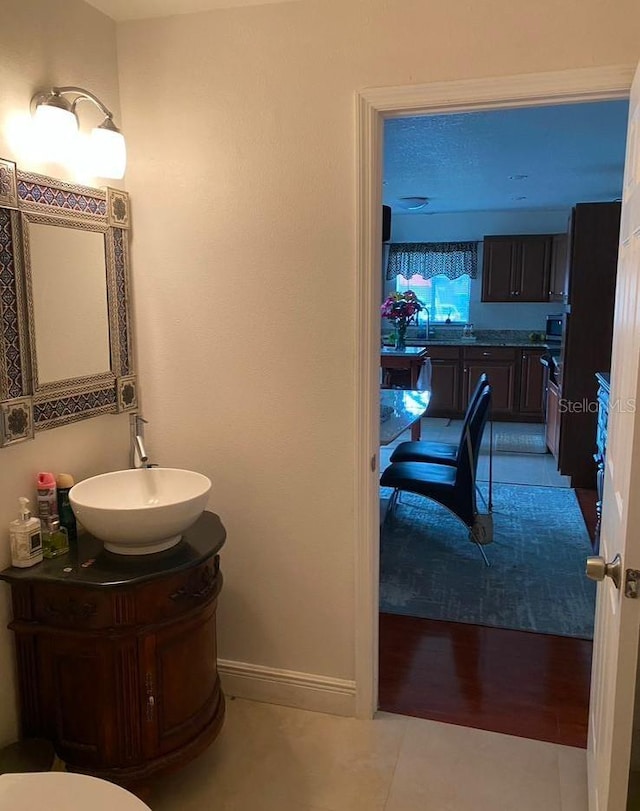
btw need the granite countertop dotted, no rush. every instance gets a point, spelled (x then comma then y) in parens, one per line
(478, 342)
(411, 349)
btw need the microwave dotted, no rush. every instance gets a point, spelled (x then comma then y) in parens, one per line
(554, 328)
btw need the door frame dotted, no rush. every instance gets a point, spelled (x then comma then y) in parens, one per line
(373, 106)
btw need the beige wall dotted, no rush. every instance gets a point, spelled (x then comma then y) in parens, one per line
(241, 131)
(45, 42)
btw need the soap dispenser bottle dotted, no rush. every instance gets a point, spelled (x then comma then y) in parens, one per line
(26, 537)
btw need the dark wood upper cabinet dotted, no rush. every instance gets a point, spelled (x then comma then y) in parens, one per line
(497, 268)
(559, 282)
(516, 268)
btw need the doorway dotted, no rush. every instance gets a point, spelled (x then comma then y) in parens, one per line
(531, 176)
(373, 106)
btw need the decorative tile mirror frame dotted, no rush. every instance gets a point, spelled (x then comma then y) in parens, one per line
(27, 405)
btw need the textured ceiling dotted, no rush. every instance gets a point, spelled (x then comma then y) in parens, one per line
(144, 9)
(464, 162)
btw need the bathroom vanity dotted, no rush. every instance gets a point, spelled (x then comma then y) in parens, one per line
(117, 654)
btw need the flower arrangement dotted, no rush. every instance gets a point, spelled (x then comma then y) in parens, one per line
(402, 309)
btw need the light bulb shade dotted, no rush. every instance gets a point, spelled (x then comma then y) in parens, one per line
(108, 151)
(56, 130)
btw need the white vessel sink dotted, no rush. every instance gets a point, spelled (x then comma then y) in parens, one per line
(137, 512)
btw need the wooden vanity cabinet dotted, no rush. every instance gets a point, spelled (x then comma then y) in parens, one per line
(117, 658)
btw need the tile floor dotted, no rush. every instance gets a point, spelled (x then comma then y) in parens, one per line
(270, 757)
(508, 468)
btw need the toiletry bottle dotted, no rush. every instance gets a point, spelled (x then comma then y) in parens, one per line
(64, 483)
(26, 538)
(55, 539)
(47, 499)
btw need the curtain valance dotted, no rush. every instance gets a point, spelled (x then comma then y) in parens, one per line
(428, 259)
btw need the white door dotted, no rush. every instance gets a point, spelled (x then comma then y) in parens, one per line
(618, 617)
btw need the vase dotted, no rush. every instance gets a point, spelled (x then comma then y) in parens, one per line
(400, 336)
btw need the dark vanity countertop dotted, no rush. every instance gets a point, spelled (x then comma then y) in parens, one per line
(92, 565)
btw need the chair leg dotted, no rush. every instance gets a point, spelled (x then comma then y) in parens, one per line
(482, 498)
(391, 506)
(483, 553)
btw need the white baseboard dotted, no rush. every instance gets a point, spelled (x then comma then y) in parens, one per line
(305, 691)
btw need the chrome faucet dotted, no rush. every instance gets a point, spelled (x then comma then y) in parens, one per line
(137, 424)
(142, 454)
(427, 334)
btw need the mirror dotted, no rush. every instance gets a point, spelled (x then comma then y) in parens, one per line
(65, 326)
(69, 294)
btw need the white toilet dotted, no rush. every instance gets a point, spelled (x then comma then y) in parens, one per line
(62, 791)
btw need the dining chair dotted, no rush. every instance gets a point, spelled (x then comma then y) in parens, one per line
(446, 453)
(452, 486)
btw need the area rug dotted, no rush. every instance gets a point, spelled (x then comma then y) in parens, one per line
(536, 580)
(519, 443)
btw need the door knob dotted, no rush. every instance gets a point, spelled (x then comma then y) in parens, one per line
(598, 569)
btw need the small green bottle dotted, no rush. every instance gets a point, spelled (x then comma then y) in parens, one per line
(55, 541)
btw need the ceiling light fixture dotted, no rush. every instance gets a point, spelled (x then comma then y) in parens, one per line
(57, 121)
(413, 203)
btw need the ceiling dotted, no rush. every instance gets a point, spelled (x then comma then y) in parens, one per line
(538, 157)
(144, 9)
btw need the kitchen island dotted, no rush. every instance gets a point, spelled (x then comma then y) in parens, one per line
(409, 360)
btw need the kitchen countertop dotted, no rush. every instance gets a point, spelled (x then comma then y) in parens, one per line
(414, 351)
(479, 342)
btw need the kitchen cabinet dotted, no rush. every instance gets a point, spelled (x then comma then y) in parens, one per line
(552, 427)
(401, 367)
(559, 280)
(516, 268)
(446, 390)
(532, 383)
(516, 376)
(499, 364)
(117, 658)
(587, 340)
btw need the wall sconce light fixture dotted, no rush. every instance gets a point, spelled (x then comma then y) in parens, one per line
(56, 119)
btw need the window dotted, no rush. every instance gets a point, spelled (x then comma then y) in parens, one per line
(439, 273)
(444, 298)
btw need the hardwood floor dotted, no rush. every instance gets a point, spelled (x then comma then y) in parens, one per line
(515, 682)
